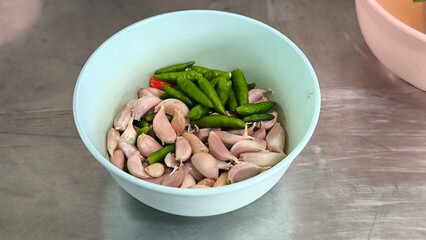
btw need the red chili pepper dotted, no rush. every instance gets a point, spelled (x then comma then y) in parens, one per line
(155, 83)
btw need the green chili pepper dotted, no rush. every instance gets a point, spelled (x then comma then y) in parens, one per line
(216, 80)
(251, 86)
(164, 95)
(211, 94)
(222, 89)
(159, 155)
(259, 117)
(141, 123)
(210, 73)
(173, 92)
(232, 103)
(175, 67)
(239, 84)
(143, 130)
(254, 108)
(194, 92)
(197, 112)
(151, 116)
(221, 121)
(173, 76)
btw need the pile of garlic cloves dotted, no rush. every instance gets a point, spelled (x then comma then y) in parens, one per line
(202, 157)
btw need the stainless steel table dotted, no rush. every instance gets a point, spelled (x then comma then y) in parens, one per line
(362, 176)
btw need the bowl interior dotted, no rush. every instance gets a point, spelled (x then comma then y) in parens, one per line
(213, 39)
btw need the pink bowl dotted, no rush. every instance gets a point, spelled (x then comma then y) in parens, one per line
(401, 48)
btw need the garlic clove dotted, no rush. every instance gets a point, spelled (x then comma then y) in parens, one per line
(222, 180)
(158, 180)
(127, 148)
(203, 133)
(243, 132)
(269, 124)
(188, 181)
(276, 138)
(189, 167)
(112, 140)
(218, 149)
(257, 94)
(134, 164)
(196, 144)
(243, 171)
(155, 170)
(261, 132)
(143, 105)
(129, 133)
(206, 164)
(117, 158)
(262, 99)
(147, 145)
(170, 104)
(183, 149)
(175, 178)
(123, 117)
(230, 139)
(209, 182)
(162, 127)
(262, 159)
(150, 92)
(170, 160)
(178, 122)
(247, 146)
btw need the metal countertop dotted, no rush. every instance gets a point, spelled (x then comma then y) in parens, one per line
(362, 175)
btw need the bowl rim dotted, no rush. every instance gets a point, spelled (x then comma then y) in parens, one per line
(210, 191)
(379, 9)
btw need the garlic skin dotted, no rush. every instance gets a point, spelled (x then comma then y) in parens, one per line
(222, 180)
(170, 104)
(112, 140)
(162, 127)
(275, 138)
(224, 165)
(188, 181)
(247, 146)
(196, 144)
(262, 159)
(129, 133)
(127, 148)
(134, 164)
(123, 116)
(175, 178)
(178, 122)
(243, 171)
(206, 164)
(150, 92)
(269, 124)
(218, 149)
(117, 158)
(183, 149)
(230, 139)
(143, 105)
(261, 132)
(147, 145)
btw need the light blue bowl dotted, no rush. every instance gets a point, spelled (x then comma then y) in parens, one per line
(215, 39)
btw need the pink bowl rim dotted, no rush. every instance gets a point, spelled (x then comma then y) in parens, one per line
(396, 22)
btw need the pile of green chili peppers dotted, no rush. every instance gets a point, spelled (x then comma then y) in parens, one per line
(206, 90)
